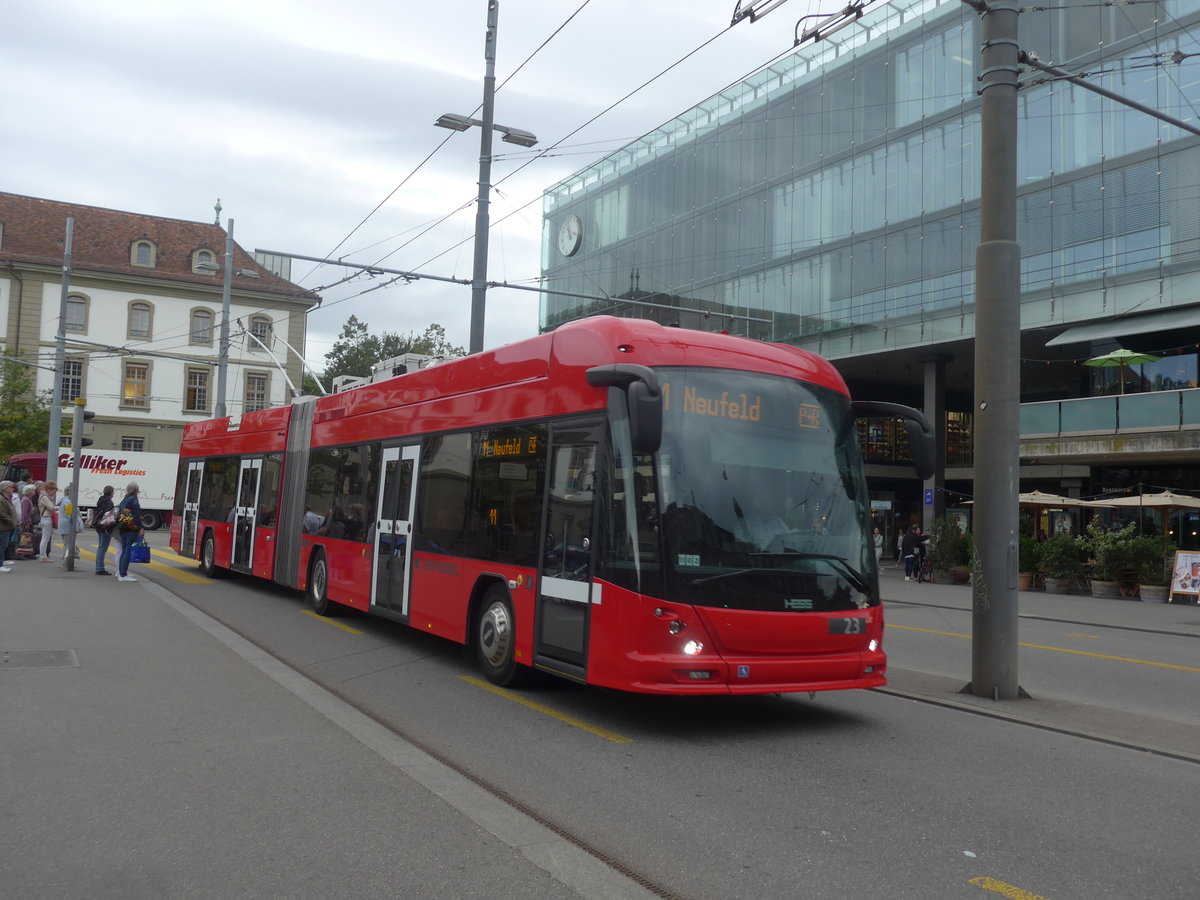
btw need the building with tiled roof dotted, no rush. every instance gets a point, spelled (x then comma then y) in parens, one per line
(143, 317)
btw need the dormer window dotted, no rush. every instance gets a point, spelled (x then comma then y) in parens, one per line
(204, 262)
(143, 253)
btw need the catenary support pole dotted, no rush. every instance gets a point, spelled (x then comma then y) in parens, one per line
(76, 446)
(997, 366)
(54, 433)
(479, 270)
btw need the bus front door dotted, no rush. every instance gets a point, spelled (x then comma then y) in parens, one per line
(245, 514)
(393, 527)
(565, 592)
(191, 508)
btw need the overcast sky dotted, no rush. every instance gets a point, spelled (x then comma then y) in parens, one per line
(303, 116)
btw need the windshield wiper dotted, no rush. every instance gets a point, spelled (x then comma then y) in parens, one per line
(855, 577)
(732, 572)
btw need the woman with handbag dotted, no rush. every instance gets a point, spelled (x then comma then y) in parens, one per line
(27, 543)
(48, 510)
(104, 520)
(129, 521)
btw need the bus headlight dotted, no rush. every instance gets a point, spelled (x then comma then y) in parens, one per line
(873, 645)
(691, 648)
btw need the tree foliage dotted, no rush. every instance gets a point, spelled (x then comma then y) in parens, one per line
(356, 350)
(24, 414)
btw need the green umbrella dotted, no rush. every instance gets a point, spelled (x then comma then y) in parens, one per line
(1122, 358)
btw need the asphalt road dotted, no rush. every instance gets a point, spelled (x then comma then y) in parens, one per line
(886, 794)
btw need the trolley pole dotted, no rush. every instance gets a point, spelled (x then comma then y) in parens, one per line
(997, 365)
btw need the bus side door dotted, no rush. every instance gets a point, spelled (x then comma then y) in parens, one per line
(393, 528)
(565, 590)
(245, 514)
(191, 509)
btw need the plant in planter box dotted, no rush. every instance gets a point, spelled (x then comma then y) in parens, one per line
(949, 546)
(1112, 551)
(1060, 556)
(1027, 554)
(1146, 556)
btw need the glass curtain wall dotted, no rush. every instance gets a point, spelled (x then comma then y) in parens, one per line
(831, 200)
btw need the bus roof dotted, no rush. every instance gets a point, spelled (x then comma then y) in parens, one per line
(539, 376)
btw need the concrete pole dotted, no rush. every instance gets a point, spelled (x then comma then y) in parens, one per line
(223, 349)
(997, 366)
(934, 407)
(76, 446)
(479, 272)
(54, 435)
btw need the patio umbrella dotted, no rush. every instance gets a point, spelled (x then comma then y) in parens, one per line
(1165, 501)
(1121, 358)
(1158, 501)
(1042, 498)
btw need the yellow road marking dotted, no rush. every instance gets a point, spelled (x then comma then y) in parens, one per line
(1140, 662)
(187, 576)
(547, 711)
(1005, 890)
(329, 621)
(1086, 637)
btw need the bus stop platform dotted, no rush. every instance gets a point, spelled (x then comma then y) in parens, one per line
(148, 751)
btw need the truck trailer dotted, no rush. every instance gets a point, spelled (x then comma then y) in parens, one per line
(153, 472)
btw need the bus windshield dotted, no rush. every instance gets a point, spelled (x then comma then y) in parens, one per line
(761, 495)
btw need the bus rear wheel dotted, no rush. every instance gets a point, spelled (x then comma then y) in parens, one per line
(496, 639)
(318, 585)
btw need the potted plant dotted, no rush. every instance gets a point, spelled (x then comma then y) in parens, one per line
(949, 550)
(1153, 569)
(1111, 554)
(1061, 558)
(1027, 561)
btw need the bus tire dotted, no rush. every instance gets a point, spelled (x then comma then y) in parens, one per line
(151, 520)
(208, 557)
(496, 639)
(318, 585)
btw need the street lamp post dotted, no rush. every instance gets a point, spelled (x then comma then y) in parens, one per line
(513, 136)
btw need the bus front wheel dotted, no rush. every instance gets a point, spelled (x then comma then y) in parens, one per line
(318, 585)
(496, 638)
(208, 557)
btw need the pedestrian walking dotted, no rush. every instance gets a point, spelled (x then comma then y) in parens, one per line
(10, 519)
(878, 539)
(129, 521)
(104, 531)
(48, 518)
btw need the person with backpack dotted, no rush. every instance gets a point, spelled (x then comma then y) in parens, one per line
(129, 521)
(104, 520)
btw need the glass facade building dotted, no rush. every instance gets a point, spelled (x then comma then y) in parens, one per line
(831, 200)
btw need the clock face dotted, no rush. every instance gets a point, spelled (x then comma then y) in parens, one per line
(570, 235)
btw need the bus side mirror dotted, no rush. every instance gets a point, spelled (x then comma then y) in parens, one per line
(920, 434)
(645, 417)
(642, 396)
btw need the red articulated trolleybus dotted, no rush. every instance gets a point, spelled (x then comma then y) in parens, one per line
(645, 508)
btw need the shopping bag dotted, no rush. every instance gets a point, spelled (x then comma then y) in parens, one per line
(139, 552)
